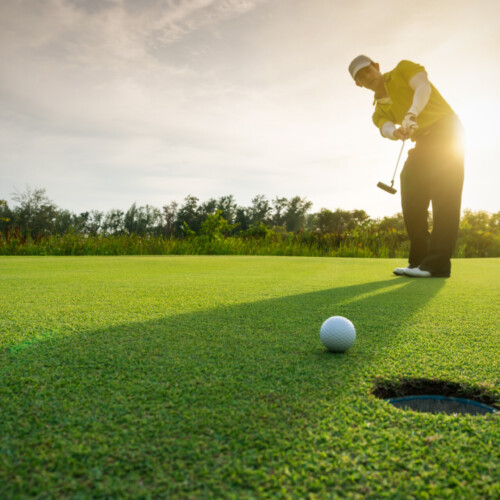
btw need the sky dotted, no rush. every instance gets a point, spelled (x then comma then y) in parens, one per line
(105, 103)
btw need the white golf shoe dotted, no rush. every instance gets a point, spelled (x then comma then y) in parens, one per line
(400, 271)
(416, 272)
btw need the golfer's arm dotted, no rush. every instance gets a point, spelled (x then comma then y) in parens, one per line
(422, 87)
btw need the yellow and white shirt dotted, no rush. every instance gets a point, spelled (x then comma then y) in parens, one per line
(409, 91)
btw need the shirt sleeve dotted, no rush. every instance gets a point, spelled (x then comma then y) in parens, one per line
(379, 118)
(408, 69)
(387, 130)
(422, 87)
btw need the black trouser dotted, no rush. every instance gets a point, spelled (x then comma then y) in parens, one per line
(434, 171)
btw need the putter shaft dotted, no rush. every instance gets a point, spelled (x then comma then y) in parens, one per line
(397, 163)
(390, 189)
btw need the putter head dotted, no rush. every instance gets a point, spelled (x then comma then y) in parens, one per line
(387, 188)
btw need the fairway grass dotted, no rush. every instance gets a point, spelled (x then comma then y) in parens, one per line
(204, 377)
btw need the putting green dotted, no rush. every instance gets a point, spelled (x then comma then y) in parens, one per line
(200, 377)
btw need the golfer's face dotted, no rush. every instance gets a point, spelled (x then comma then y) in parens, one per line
(368, 77)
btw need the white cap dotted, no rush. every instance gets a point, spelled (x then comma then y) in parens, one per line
(358, 63)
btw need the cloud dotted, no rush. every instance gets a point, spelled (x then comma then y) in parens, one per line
(72, 57)
(108, 31)
(222, 95)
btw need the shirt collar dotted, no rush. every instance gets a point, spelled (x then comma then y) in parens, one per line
(384, 100)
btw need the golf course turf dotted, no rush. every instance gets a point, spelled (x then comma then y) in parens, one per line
(204, 377)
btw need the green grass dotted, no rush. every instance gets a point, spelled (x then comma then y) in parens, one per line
(204, 377)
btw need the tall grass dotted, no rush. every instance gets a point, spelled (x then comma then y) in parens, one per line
(357, 243)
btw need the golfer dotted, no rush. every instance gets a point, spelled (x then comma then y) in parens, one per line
(408, 106)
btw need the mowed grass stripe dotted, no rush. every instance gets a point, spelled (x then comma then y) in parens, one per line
(204, 377)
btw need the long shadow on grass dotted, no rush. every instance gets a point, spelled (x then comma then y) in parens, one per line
(187, 403)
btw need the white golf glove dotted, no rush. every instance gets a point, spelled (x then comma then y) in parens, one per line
(409, 124)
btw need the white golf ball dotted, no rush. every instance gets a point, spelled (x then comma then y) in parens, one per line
(337, 334)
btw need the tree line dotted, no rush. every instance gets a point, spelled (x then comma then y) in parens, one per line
(284, 226)
(35, 214)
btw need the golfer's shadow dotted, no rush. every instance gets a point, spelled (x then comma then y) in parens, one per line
(285, 330)
(379, 311)
(293, 322)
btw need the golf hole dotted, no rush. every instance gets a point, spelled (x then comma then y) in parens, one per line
(436, 396)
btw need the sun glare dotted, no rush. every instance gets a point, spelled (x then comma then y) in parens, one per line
(480, 120)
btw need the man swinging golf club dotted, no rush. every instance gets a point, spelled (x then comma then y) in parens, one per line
(408, 106)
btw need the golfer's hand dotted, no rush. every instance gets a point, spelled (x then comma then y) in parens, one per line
(400, 134)
(409, 124)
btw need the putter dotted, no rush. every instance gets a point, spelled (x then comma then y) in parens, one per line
(390, 189)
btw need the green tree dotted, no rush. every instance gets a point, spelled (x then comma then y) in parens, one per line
(215, 227)
(260, 210)
(359, 218)
(478, 234)
(478, 221)
(80, 222)
(324, 221)
(227, 207)
(295, 213)
(395, 222)
(340, 221)
(114, 222)
(35, 214)
(142, 220)
(189, 214)
(64, 221)
(278, 211)
(4, 211)
(169, 217)
(5, 217)
(495, 222)
(206, 208)
(242, 220)
(94, 222)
